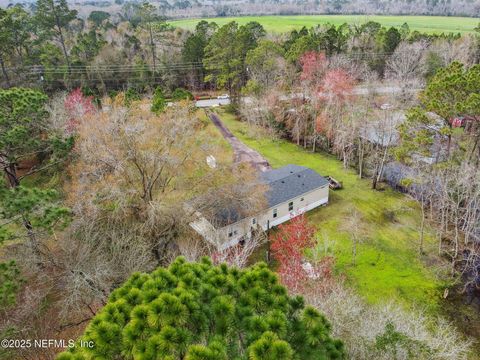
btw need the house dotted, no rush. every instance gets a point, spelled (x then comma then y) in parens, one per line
(291, 190)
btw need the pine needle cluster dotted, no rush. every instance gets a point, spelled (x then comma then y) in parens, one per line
(198, 311)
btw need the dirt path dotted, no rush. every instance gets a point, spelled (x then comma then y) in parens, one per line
(242, 153)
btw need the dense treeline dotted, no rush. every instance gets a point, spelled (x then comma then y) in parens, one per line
(204, 8)
(51, 48)
(201, 8)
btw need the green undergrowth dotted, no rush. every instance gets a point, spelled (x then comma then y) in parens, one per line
(388, 264)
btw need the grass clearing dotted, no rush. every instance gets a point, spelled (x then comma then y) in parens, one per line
(280, 24)
(388, 264)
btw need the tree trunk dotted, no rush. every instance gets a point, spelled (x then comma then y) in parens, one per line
(474, 147)
(360, 158)
(440, 230)
(152, 47)
(297, 130)
(422, 225)
(354, 251)
(4, 71)
(13, 181)
(27, 51)
(374, 181)
(11, 173)
(378, 175)
(440, 242)
(456, 235)
(18, 47)
(62, 41)
(64, 48)
(449, 144)
(305, 138)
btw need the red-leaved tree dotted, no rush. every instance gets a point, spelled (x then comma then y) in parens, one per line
(323, 126)
(327, 90)
(336, 85)
(287, 245)
(314, 64)
(334, 92)
(77, 106)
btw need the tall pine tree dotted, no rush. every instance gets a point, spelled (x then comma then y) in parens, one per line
(197, 311)
(52, 17)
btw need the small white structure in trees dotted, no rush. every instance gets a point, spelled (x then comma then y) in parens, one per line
(211, 161)
(309, 270)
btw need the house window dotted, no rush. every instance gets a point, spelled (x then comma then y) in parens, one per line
(290, 206)
(254, 221)
(274, 213)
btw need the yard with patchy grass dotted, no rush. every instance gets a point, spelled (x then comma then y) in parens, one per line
(388, 263)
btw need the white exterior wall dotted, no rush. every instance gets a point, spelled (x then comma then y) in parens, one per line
(311, 200)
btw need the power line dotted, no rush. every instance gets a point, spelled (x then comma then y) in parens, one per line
(177, 65)
(41, 68)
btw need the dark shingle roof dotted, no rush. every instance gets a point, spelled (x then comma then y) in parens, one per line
(227, 216)
(289, 182)
(284, 184)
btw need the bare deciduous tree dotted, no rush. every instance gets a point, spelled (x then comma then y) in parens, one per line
(384, 331)
(407, 63)
(462, 49)
(239, 254)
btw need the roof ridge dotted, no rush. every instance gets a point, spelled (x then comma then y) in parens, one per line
(291, 175)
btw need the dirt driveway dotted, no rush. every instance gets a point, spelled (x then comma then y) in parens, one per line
(242, 153)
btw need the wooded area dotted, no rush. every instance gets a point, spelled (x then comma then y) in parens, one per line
(103, 151)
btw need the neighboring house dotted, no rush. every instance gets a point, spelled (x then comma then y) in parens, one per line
(292, 190)
(383, 132)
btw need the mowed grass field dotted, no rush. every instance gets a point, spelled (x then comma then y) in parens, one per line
(428, 24)
(388, 263)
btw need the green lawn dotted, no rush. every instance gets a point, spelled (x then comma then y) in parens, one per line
(429, 24)
(388, 264)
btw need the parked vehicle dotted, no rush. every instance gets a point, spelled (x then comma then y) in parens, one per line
(224, 96)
